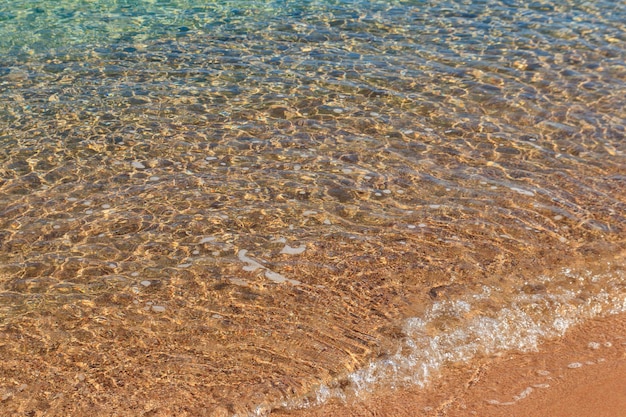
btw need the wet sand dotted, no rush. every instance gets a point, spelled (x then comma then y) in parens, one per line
(580, 375)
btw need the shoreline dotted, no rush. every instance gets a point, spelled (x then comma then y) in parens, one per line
(582, 374)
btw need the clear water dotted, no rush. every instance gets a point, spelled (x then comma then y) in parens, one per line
(218, 208)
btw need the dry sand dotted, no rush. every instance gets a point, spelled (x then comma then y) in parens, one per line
(580, 375)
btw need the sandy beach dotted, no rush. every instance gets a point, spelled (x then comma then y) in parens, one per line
(581, 375)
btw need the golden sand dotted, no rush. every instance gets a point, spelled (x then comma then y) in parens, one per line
(580, 375)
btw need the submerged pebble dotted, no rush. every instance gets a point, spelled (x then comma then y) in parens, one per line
(523, 192)
(525, 393)
(293, 251)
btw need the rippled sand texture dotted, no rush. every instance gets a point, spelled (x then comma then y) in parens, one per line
(228, 213)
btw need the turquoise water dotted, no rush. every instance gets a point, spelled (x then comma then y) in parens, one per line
(271, 204)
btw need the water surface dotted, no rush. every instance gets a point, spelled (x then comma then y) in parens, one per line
(221, 208)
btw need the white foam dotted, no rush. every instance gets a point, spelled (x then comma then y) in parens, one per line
(522, 324)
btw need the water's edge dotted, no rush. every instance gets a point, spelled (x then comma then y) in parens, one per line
(463, 329)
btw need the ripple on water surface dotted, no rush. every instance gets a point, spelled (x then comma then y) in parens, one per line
(262, 204)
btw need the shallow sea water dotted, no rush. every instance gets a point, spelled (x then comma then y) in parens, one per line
(223, 208)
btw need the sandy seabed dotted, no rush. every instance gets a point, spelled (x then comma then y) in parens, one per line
(582, 374)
